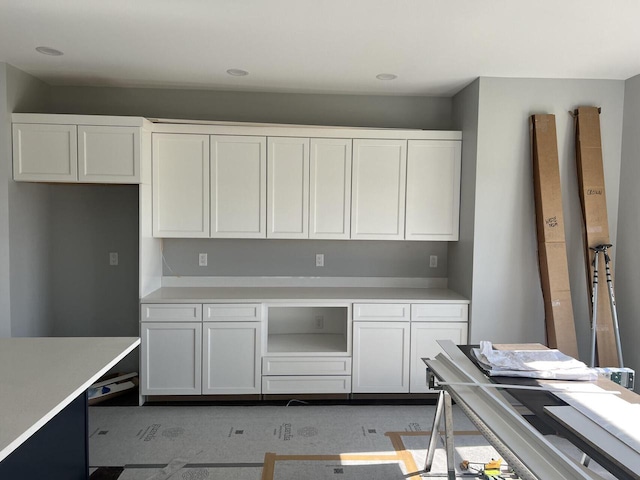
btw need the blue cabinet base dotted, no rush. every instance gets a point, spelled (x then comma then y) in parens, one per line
(58, 451)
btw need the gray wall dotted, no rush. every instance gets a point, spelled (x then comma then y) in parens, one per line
(25, 300)
(627, 271)
(465, 118)
(507, 300)
(343, 110)
(91, 297)
(346, 258)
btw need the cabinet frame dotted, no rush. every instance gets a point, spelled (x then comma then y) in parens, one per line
(250, 361)
(275, 190)
(167, 229)
(370, 185)
(257, 190)
(328, 178)
(66, 134)
(433, 190)
(368, 362)
(194, 375)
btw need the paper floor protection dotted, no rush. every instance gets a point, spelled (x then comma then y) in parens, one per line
(278, 443)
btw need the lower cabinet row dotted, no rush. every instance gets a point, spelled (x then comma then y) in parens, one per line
(226, 357)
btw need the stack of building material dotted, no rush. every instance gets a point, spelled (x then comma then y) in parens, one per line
(552, 253)
(596, 225)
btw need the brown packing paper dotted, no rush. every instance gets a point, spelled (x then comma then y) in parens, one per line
(552, 256)
(595, 224)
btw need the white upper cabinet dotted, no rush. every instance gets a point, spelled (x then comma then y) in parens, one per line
(238, 186)
(77, 148)
(45, 153)
(378, 191)
(108, 154)
(180, 185)
(288, 187)
(433, 190)
(330, 188)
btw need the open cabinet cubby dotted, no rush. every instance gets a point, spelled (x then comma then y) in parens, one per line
(317, 330)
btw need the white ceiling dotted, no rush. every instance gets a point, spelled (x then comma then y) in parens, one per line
(435, 47)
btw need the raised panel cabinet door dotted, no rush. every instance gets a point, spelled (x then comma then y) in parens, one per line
(330, 188)
(109, 154)
(288, 187)
(378, 189)
(45, 153)
(238, 186)
(171, 357)
(380, 357)
(231, 358)
(424, 344)
(180, 185)
(433, 190)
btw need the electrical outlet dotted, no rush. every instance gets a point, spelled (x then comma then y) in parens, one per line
(113, 258)
(319, 259)
(433, 261)
(319, 322)
(202, 259)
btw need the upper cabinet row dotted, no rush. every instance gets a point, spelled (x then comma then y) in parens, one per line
(45, 152)
(238, 186)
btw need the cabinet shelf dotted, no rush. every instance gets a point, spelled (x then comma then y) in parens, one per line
(325, 343)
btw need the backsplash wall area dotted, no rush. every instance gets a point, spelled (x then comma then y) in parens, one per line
(342, 258)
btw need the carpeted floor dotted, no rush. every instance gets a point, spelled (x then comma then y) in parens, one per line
(338, 442)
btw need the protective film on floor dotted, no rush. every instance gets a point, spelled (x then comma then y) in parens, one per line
(272, 442)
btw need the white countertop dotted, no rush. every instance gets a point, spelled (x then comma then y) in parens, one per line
(301, 294)
(41, 376)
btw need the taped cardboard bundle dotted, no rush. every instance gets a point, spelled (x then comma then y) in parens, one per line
(552, 253)
(595, 223)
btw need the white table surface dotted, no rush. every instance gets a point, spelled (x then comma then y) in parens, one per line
(306, 294)
(41, 376)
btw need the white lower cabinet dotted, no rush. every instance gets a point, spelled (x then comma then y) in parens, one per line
(231, 357)
(310, 374)
(381, 357)
(296, 384)
(424, 344)
(431, 322)
(288, 349)
(171, 358)
(181, 355)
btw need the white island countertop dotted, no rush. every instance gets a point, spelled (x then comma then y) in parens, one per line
(41, 376)
(302, 294)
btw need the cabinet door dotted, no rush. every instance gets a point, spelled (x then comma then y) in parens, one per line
(380, 357)
(288, 190)
(109, 154)
(45, 153)
(378, 193)
(180, 185)
(238, 186)
(433, 190)
(171, 356)
(231, 358)
(330, 189)
(424, 337)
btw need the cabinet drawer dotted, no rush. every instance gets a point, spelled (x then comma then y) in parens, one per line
(237, 312)
(433, 312)
(182, 312)
(381, 311)
(306, 384)
(306, 366)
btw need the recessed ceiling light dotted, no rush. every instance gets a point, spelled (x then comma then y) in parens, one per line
(386, 76)
(236, 72)
(49, 51)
